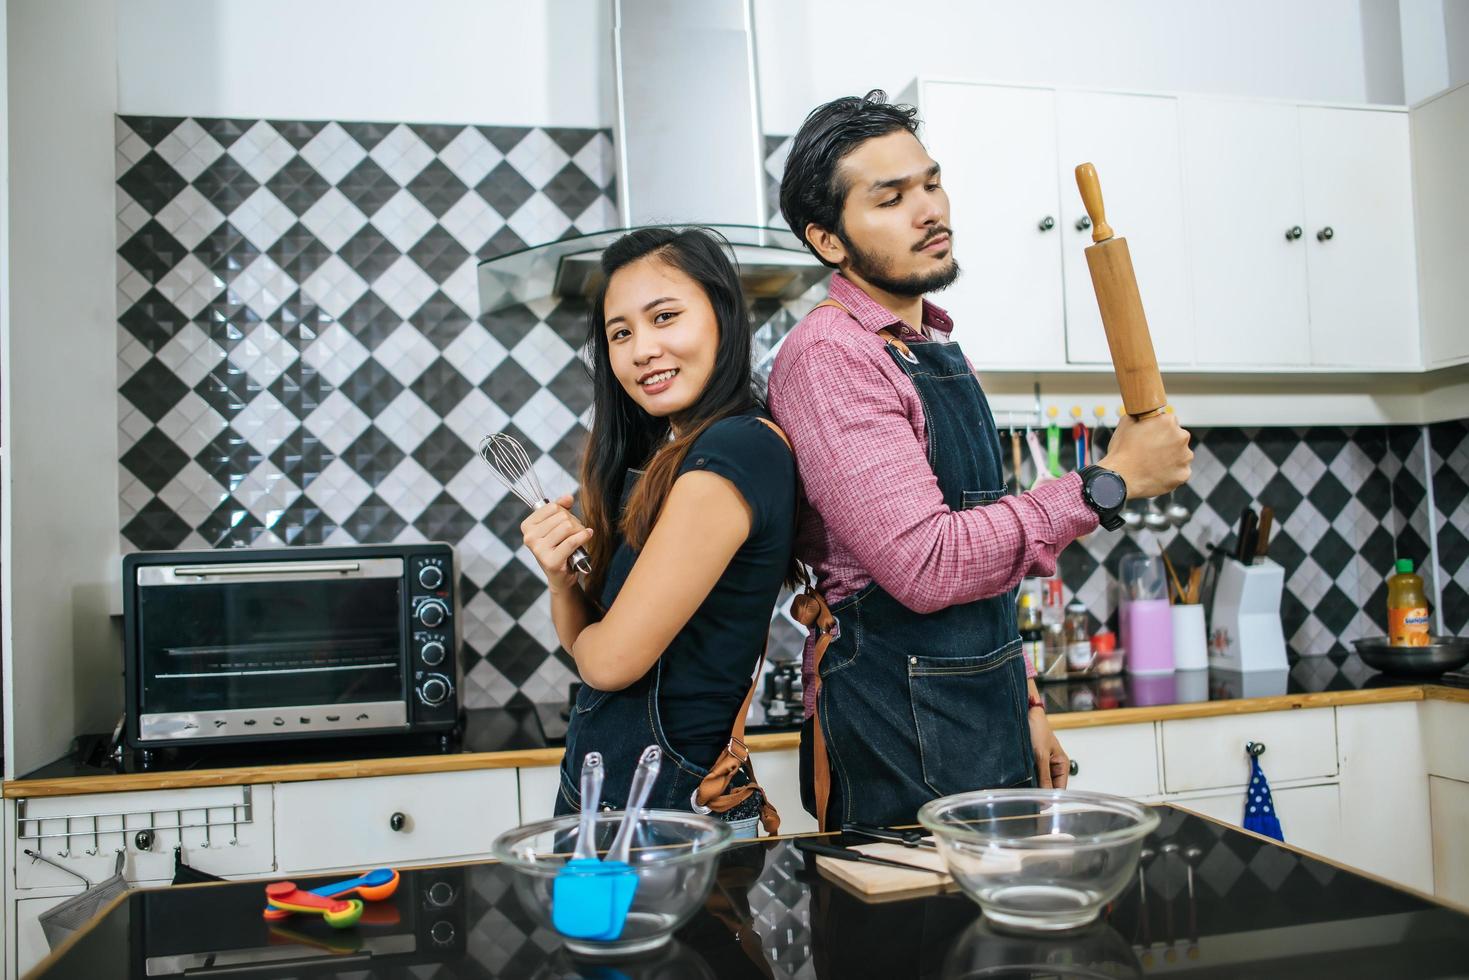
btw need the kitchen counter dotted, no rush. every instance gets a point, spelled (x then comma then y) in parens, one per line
(1211, 900)
(516, 737)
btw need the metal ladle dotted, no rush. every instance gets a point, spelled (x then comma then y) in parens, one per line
(1176, 513)
(1154, 519)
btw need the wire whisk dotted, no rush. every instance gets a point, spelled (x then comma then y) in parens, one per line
(508, 458)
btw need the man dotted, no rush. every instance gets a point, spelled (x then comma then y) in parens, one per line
(917, 687)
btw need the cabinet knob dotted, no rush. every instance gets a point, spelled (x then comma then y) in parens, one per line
(1325, 234)
(1255, 748)
(397, 822)
(1292, 233)
(1047, 223)
(1074, 768)
(1083, 223)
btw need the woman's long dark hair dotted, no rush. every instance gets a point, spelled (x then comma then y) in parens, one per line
(624, 436)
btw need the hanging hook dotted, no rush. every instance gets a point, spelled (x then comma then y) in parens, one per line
(1255, 749)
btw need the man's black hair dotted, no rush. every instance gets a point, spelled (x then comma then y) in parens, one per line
(811, 190)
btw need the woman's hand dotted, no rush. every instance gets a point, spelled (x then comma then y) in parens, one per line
(552, 532)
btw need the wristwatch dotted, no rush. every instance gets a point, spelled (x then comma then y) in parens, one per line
(1104, 492)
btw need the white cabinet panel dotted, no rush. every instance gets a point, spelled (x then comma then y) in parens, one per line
(1441, 212)
(119, 816)
(348, 823)
(538, 788)
(30, 941)
(997, 147)
(780, 774)
(1363, 290)
(1134, 143)
(1120, 759)
(1448, 803)
(1201, 753)
(1310, 816)
(1242, 188)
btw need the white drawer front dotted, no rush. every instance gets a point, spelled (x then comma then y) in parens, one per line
(538, 788)
(348, 823)
(117, 818)
(1121, 759)
(1310, 816)
(1204, 753)
(779, 773)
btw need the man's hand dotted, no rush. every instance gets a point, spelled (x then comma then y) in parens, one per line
(1151, 456)
(1052, 764)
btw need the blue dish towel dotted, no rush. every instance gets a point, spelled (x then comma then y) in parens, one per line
(1259, 807)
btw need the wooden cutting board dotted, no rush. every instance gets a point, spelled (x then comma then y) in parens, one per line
(877, 883)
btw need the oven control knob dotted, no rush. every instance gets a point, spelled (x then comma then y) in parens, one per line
(432, 612)
(432, 653)
(430, 576)
(434, 689)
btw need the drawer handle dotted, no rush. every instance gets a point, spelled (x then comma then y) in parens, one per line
(397, 822)
(1255, 749)
(1074, 768)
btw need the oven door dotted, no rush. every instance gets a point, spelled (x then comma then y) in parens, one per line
(245, 650)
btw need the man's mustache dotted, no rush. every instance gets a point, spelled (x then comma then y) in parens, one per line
(937, 232)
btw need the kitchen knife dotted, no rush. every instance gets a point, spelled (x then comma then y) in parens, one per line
(1245, 546)
(908, 838)
(1115, 284)
(1262, 534)
(846, 854)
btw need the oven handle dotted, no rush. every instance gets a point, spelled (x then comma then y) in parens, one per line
(246, 569)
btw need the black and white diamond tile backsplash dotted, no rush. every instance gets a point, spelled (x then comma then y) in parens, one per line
(302, 361)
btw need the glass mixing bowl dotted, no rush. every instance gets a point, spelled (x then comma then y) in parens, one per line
(673, 857)
(1039, 859)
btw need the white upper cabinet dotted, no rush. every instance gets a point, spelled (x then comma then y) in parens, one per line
(997, 147)
(1266, 236)
(1441, 201)
(1134, 143)
(1359, 238)
(1247, 226)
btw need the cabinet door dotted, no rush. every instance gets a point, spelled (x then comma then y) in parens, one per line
(998, 150)
(1448, 806)
(1242, 188)
(1363, 288)
(1310, 816)
(1441, 202)
(1134, 143)
(1203, 753)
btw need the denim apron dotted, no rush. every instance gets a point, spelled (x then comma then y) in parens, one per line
(621, 724)
(915, 706)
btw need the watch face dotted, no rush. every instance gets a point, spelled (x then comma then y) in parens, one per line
(1108, 490)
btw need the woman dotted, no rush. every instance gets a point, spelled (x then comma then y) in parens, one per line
(689, 494)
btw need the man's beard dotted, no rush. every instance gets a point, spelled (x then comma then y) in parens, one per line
(875, 270)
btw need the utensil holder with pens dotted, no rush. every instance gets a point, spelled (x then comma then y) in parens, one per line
(1245, 630)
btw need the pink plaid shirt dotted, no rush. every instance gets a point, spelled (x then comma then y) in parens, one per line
(873, 506)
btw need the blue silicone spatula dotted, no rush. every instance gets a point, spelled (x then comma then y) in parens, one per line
(581, 903)
(622, 880)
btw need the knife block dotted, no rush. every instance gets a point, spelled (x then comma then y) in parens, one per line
(1245, 633)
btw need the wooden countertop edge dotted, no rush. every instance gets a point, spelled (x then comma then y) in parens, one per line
(772, 742)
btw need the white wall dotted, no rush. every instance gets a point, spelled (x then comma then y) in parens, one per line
(59, 379)
(814, 50)
(511, 62)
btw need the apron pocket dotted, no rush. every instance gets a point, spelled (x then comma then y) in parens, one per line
(981, 498)
(588, 698)
(968, 720)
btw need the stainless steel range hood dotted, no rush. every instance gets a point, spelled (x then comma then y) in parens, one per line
(690, 151)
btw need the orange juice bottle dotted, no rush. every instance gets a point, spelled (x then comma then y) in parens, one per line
(1407, 607)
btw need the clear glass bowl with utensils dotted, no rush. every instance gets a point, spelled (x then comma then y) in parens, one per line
(669, 871)
(1039, 860)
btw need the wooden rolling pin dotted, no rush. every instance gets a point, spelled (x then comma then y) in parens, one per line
(1115, 284)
